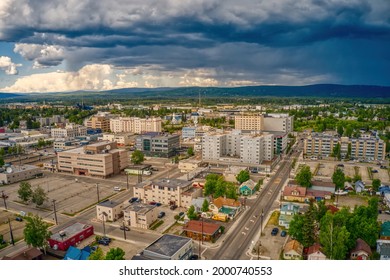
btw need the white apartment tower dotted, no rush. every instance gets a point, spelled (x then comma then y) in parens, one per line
(135, 125)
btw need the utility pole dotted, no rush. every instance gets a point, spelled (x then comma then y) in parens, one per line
(261, 222)
(127, 180)
(4, 198)
(104, 225)
(11, 233)
(97, 190)
(124, 229)
(258, 250)
(55, 211)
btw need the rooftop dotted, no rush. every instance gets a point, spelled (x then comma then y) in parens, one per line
(69, 231)
(385, 229)
(201, 227)
(221, 201)
(171, 183)
(109, 203)
(140, 208)
(293, 245)
(167, 245)
(361, 245)
(19, 168)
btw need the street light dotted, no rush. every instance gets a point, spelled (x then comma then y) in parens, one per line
(55, 211)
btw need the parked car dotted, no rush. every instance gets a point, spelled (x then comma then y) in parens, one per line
(104, 241)
(154, 169)
(340, 165)
(274, 231)
(124, 228)
(283, 233)
(173, 207)
(117, 189)
(383, 167)
(19, 219)
(152, 203)
(254, 171)
(133, 199)
(194, 257)
(374, 171)
(181, 214)
(387, 212)
(160, 215)
(158, 204)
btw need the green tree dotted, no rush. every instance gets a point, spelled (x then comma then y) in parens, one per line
(36, 232)
(334, 238)
(1, 161)
(25, 192)
(220, 188)
(39, 196)
(231, 190)
(308, 229)
(137, 157)
(338, 178)
(97, 255)
(190, 151)
(337, 151)
(243, 176)
(205, 206)
(296, 226)
(210, 185)
(304, 177)
(2, 152)
(349, 151)
(191, 213)
(376, 183)
(115, 254)
(340, 130)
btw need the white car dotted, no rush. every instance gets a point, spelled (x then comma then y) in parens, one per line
(117, 189)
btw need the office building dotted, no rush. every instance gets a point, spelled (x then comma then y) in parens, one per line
(268, 122)
(158, 144)
(101, 122)
(16, 173)
(70, 131)
(140, 215)
(102, 159)
(123, 139)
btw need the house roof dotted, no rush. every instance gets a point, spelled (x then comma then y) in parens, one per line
(25, 254)
(317, 193)
(167, 245)
(249, 183)
(323, 184)
(197, 227)
(294, 191)
(314, 249)
(361, 245)
(74, 253)
(221, 201)
(294, 245)
(332, 208)
(289, 207)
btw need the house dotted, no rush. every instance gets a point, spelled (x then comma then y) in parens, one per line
(359, 186)
(226, 206)
(202, 230)
(348, 186)
(293, 250)
(26, 254)
(74, 253)
(198, 203)
(287, 211)
(383, 190)
(315, 253)
(362, 250)
(247, 188)
(110, 210)
(383, 243)
(294, 193)
(140, 215)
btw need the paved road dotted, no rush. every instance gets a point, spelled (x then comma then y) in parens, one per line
(247, 229)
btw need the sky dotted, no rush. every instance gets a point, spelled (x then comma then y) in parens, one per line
(68, 45)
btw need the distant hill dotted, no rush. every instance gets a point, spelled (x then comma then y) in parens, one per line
(319, 90)
(9, 95)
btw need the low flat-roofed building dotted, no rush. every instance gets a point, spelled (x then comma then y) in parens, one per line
(188, 165)
(25, 254)
(70, 236)
(140, 215)
(16, 173)
(202, 230)
(168, 247)
(112, 210)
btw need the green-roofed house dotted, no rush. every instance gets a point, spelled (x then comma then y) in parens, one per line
(287, 212)
(247, 188)
(383, 243)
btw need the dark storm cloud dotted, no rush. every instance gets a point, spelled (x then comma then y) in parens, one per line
(337, 41)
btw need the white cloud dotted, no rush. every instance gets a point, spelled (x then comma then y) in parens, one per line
(90, 77)
(42, 55)
(200, 78)
(8, 66)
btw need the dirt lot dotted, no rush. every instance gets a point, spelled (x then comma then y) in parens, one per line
(351, 201)
(17, 227)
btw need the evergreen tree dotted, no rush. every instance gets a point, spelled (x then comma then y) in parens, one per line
(205, 206)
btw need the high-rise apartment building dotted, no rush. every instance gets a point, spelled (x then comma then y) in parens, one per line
(101, 122)
(268, 122)
(135, 125)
